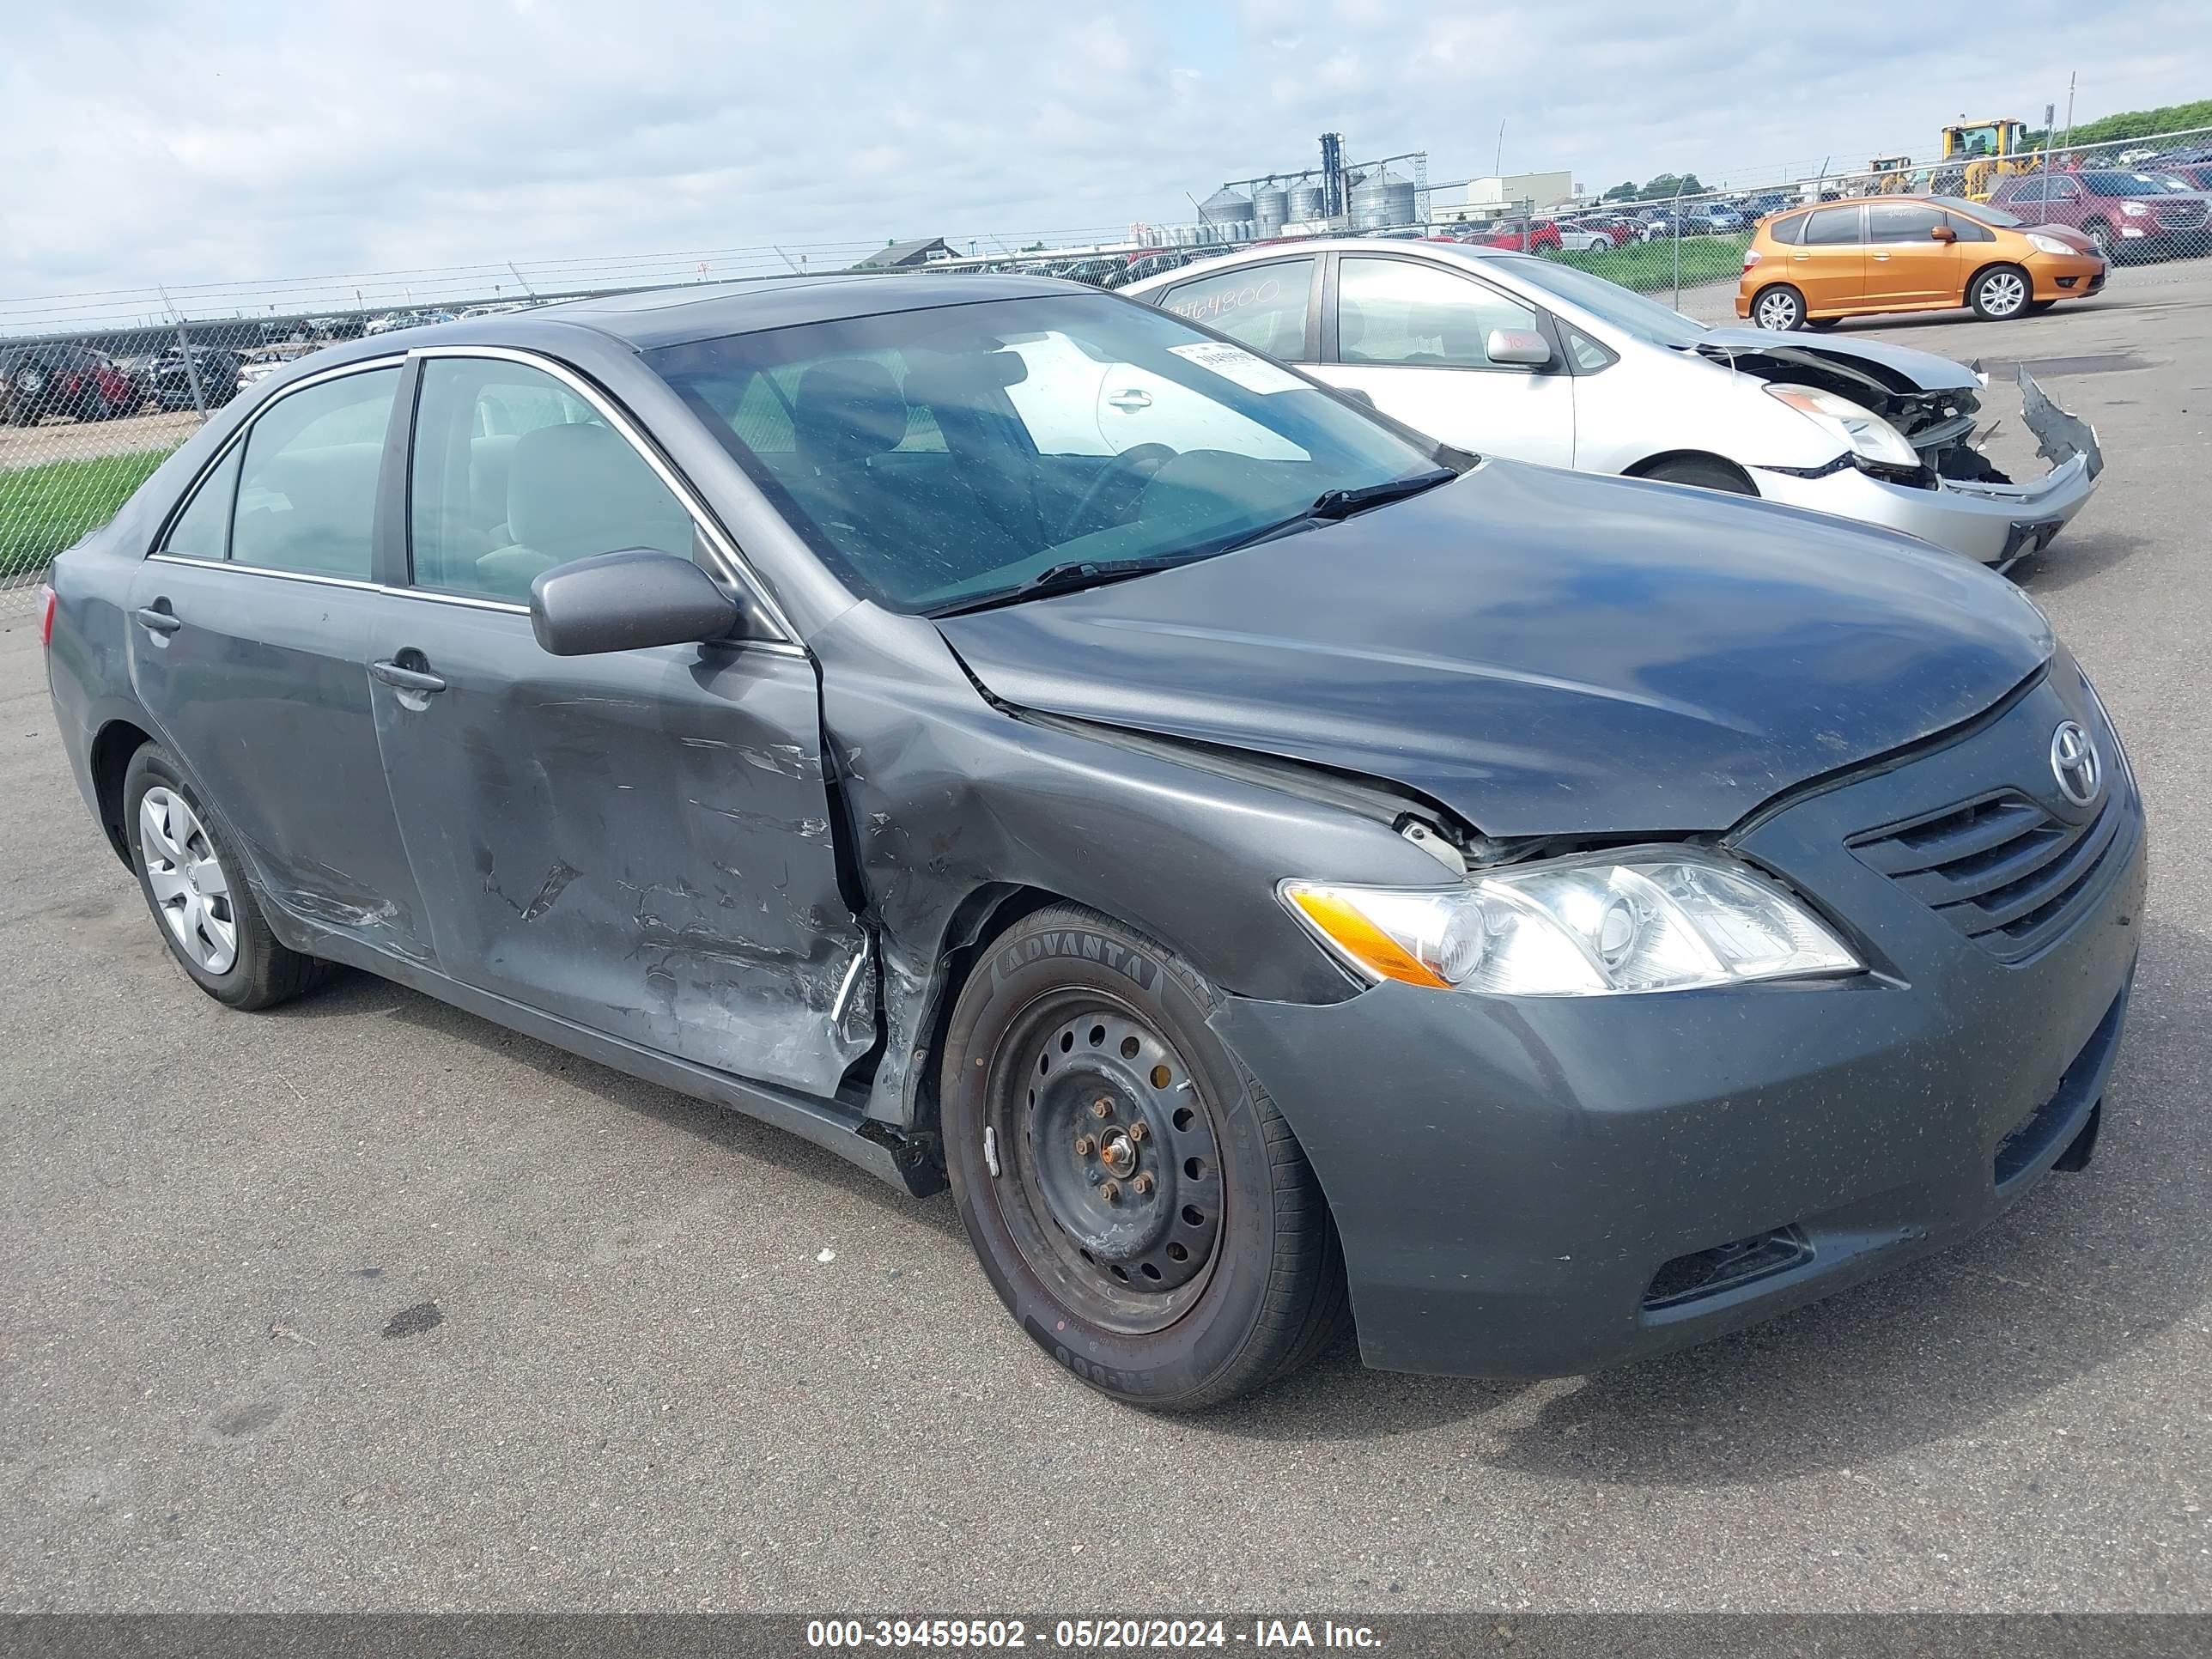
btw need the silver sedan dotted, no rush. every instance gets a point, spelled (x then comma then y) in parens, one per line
(1509, 355)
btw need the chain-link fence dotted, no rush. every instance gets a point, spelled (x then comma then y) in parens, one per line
(97, 390)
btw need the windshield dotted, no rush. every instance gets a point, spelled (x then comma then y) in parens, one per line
(1646, 319)
(1980, 212)
(932, 459)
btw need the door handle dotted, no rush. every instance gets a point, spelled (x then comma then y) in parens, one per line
(406, 679)
(1882, 257)
(157, 620)
(1131, 400)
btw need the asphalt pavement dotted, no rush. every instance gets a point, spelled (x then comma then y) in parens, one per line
(366, 1303)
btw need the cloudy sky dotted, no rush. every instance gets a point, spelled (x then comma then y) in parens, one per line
(206, 142)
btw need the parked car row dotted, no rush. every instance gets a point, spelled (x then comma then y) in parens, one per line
(1283, 872)
(71, 380)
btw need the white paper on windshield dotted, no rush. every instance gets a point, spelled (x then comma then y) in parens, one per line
(1235, 364)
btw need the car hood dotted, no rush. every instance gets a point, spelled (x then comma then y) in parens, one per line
(1544, 652)
(1899, 368)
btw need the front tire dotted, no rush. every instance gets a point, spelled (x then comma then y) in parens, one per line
(1133, 1196)
(196, 890)
(1779, 309)
(1702, 472)
(2000, 293)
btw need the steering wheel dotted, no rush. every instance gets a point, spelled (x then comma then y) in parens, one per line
(1131, 466)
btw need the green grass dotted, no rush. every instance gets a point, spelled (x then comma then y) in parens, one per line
(43, 509)
(1648, 267)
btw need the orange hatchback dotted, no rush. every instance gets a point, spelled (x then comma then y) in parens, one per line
(1815, 264)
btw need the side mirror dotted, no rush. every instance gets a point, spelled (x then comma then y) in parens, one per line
(623, 601)
(1356, 395)
(1524, 346)
(1943, 233)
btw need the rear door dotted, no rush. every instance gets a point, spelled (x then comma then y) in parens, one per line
(246, 649)
(641, 841)
(1828, 264)
(1414, 337)
(1268, 307)
(1906, 264)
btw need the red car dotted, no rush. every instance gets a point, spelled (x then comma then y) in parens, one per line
(66, 379)
(2127, 215)
(1540, 236)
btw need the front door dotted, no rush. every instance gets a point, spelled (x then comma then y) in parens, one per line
(249, 624)
(641, 842)
(1414, 337)
(1906, 264)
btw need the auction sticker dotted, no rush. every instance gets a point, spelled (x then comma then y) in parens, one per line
(1233, 362)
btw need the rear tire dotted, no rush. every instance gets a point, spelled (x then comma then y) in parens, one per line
(1704, 472)
(1779, 308)
(196, 890)
(2000, 293)
(1174, 1251)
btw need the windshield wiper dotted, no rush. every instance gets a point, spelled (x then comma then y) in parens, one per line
(1062, 579)
(1337, 504)
(1334, 506)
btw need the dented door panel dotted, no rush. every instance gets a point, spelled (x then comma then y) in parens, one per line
(639, 841)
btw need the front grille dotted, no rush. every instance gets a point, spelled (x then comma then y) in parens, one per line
(2183, 216)
(2002, 870)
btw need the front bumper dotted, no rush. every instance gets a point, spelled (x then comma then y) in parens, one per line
(1518, 1183)
(2066, 276)
(1989, 523)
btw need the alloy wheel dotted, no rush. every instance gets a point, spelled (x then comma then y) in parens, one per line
(1778, 311)
(190, 889)
(2003, 294)
(1108, 1161)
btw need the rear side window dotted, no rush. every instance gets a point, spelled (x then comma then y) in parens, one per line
(202, 531)
(1262, 307)
(1789, 232)
(1832, 227)
(306, 487)
(514, 474)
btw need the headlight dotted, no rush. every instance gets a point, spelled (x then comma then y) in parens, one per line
(2135, 209)
(1644, 919)
(2042, 244)
(1866, 432)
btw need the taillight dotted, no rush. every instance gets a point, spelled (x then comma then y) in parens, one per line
(47, 619)
(1751, 257)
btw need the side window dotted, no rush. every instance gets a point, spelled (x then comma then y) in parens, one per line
(2029, 190)
(1397, 311)
(513, 474)
(1789, 232)
(1832, 227)
(202, 531)
(1967, 230)
(1262, 307)
(306, 487)
(1902, 222)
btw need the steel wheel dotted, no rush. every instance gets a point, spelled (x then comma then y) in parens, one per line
(1777, 309)
(190, 890)
(2004, 292)
(1108, 1156)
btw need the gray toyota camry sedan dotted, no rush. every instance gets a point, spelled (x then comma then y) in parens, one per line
(1282, 874)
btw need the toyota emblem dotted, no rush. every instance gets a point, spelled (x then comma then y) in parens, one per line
(2074, 763)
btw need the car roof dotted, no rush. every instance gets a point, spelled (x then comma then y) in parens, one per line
(1299, 247)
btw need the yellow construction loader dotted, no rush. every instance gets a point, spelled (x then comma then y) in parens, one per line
(1978, 153)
